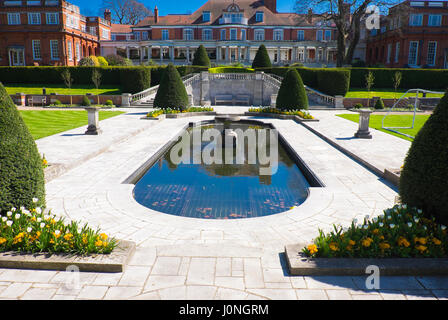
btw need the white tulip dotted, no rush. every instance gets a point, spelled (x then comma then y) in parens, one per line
(17, 216)
(4, 219)
(29, 229)
(381, 224)
(419, 211)
(9, 223)
(409, 224)
(38, 210)
(57, 232)
(13, 209)
(443, 227)
(9, 213)
(35, 200)
(22, 208)
(42, 225)
(392, 225)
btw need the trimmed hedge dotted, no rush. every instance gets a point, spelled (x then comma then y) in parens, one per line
(231, 70)
(131, 79)
(411, 78)
(424, 178)
(292, 95)
(334, 82)
(171, 92)
(21, 167)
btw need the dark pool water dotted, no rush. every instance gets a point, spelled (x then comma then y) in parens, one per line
(221, 191)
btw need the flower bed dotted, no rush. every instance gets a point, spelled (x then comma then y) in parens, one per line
(34, 230)
(401, 232)
(158, 112)
(301, 113)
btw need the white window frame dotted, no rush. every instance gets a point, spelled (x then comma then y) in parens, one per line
(32, 15)
(300, 35)
(397, 52)
(221, 33)
(14, 18)
(414, 54)
(70, 50)
(243, 34)
(416, 20)
(259, 16)
(165, 34)
(321, 32)
(233, 34)
(52, 18)
(207, 34)
(188, 34)
(327, 35)
(259, 32)
(389, 52)
(35, 45)
(206, 14)
(430, 20)
(54, 50)
(78, 51)
(431, 62)
(145, 35)
(276, 33)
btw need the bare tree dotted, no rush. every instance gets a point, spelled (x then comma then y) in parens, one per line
(126, 11)
(347, 17)
(68, 81)
(96, 79)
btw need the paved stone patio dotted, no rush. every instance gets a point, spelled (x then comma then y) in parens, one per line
(185, 258)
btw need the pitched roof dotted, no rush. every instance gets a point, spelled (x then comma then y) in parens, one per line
(120, 28)
(216, 9)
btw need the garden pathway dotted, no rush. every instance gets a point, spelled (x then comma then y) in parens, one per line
(185, 258)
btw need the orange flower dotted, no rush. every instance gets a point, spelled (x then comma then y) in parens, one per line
(334, 246)
(367, 242)
(384, 245)
(421, 248)
(436, 241)
(312, 248)
(403, 242)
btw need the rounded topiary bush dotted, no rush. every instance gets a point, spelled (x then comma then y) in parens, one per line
(102, 61)
(201, 57)
(379, 104)
(292, 94)
(358, 106)
(21, 169)
(262, 59)
(424, 178)
(85, 101)
(171, 92)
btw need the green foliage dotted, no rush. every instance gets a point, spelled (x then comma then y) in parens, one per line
(109, 103)
(135, 79)
(57, 102)
(21, 171)
(117, 60)
(358, 106)
(90, 61)
(85, 101)
(292, 94)
(334, 82)
(231, 70)
(379, 104)
(171, 92)
(201, 57)
(262, 59)
(102, 61)
(424, 178)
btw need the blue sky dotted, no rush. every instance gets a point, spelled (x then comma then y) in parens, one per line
(91, 7)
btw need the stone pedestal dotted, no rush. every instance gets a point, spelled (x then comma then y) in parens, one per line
(125, 99)
(339, 102)
(364, 119)
(93, 127)
(273, 100)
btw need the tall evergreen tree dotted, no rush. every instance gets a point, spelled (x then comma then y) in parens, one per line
(201, 57)
(424, 178)
(262, 59)
(21, 169)
(292, 94)
(171, 92)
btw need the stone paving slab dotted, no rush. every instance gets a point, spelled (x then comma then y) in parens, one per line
(113, 262)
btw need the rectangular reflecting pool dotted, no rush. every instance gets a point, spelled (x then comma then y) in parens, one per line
(224, 170)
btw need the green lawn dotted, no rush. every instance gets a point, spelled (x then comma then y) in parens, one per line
(46, 123)
(384, 93)
(392, 121)
(32, 88)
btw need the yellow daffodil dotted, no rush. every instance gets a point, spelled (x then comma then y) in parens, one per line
(384, 245)
(436, 241)
(2, 241)
(334, 246)
(421, 248)
(367, 242)
(403, 242)
(312, 248)
(103, 236)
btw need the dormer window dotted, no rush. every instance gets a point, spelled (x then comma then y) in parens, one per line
(259, 16)
(206, 16)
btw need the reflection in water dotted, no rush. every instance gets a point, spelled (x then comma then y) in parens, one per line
(222, 191)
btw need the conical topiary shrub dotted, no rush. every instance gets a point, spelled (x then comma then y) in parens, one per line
(201, 57)
(292, 94)
(262, 59)
(379, 104)
(171, 92)
(21, 169)
(424, 178)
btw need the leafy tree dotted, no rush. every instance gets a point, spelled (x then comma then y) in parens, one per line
(292, 94)
(424, 178)
(171, 92)
(21, 166)
(262, 59)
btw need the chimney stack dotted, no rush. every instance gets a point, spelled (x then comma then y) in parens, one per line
(156, 14)
(107, 15)
(309, 17)
(271, 5)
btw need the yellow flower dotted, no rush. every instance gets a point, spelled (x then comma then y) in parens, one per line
(2, 240)
(51, 241)
(33, 218)
(367, 242)
(421, 248)
(312, 248)
(68, 236)
(98, 243)
(349, 248)
(351, 242)
(57, 234)
(384, 245)
(375, 231)
(38, 234)
(103, 236)
(420, 240)
(403, 242)
(382, 237)
(436, 241)
(334, 246)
